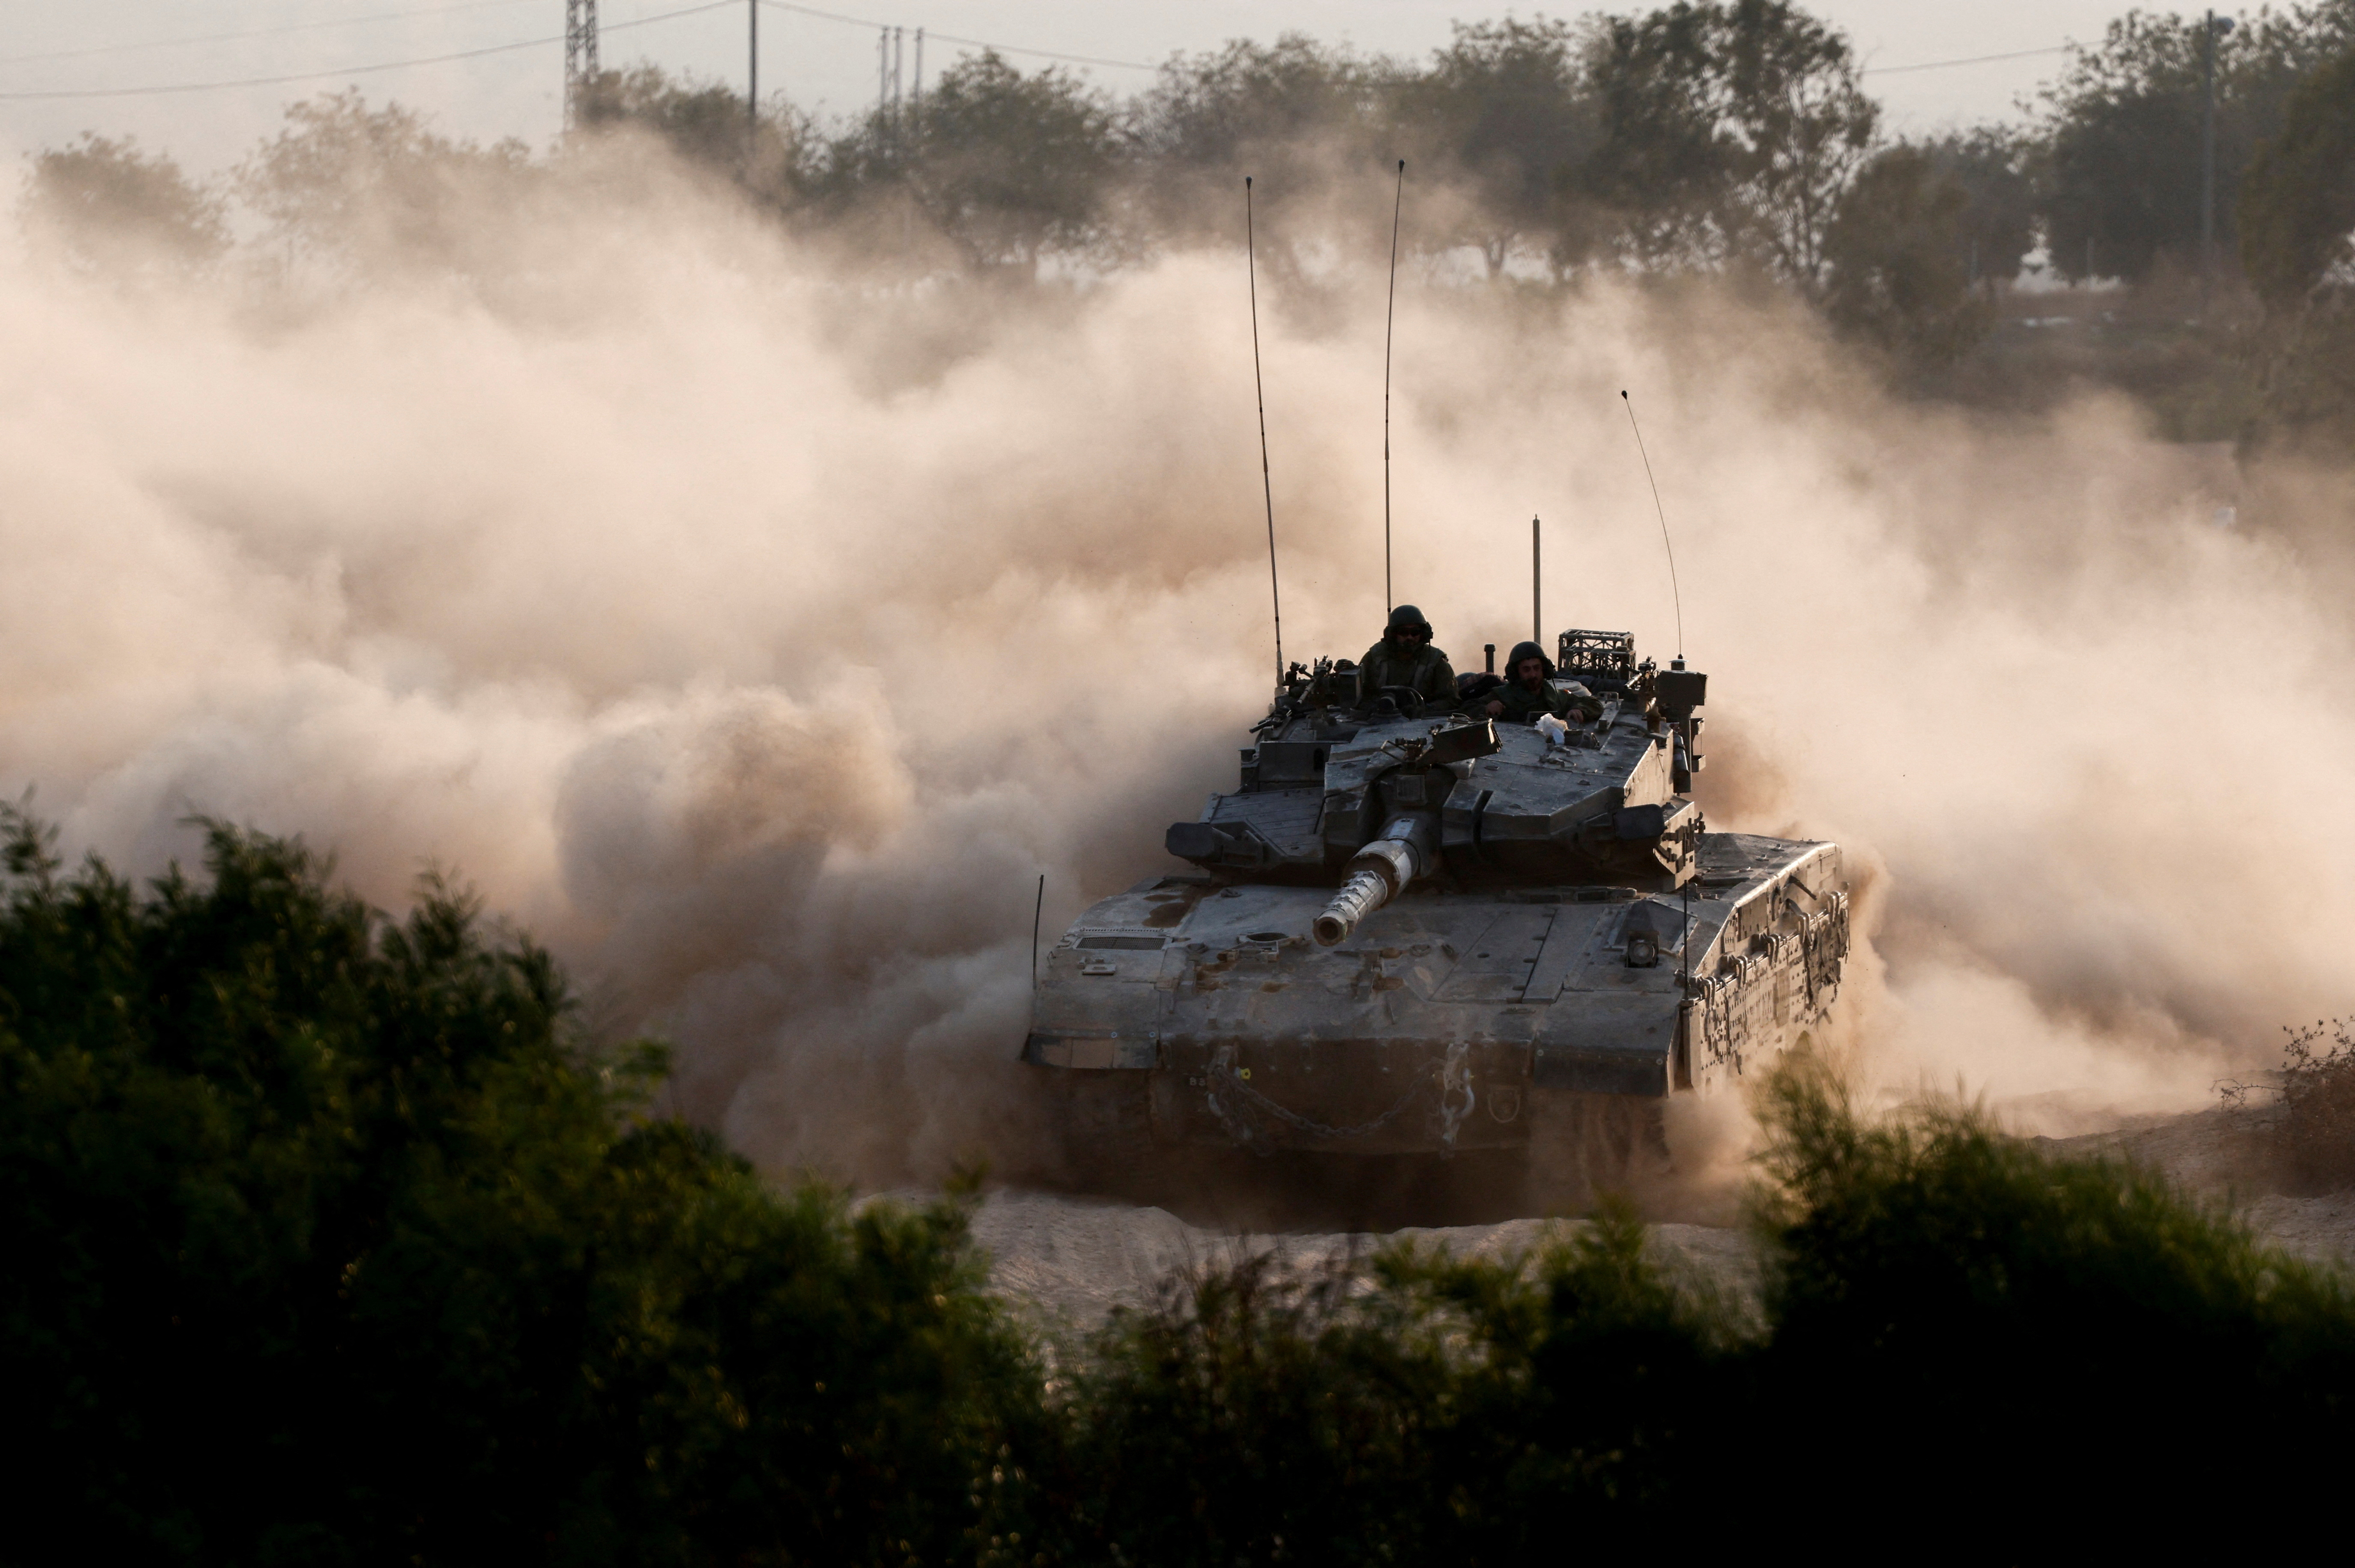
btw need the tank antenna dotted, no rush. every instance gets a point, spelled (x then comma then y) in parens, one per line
(1267, 485)
(1036, 911)
(1684, 952)
(1390, 328)
(1536, 611)
(1677, 592)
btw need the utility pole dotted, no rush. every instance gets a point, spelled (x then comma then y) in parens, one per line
(2208, 28)
(753, 65)
(579, 56)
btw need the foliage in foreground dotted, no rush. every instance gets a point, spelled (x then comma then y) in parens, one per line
(1945, 1315)
(1949, 1308)
(324, 1244)
(329, 1243)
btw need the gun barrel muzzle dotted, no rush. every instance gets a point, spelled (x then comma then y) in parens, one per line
(1361, 895)
(1377, 874)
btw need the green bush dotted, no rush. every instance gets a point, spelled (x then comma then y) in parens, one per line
(2314, 1136)
(327, 1242)
(1954, 1327)
(1952, 1313)
(1258, 1415)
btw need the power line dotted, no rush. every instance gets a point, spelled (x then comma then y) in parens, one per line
(176, 87)
(258, 32)
(1974, 60)
(1042, 54)
(969, 43)
(279, 80)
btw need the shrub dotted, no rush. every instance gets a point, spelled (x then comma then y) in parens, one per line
(329, 1241)
(1951, 1314)
(2316, 1130)
(2060, 1347)
(1426, 1407)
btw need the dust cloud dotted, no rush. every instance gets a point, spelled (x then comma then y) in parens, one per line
(755, 627)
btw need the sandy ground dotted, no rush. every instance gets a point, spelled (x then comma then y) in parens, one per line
(1072, 1260)
(1077, 1258)
(2219, 1154)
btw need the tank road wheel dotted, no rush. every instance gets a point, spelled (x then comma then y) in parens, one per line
(1583, 1146)
(1107, 1129)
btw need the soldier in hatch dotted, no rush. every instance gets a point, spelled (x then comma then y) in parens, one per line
(1405, 658)
(1528, 692)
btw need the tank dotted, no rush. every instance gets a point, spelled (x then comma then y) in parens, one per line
(1427, 932)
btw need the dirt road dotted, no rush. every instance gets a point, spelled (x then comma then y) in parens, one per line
(1074, 1259)
(1077, 1258)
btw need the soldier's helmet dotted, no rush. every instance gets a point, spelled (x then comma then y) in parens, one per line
(1526, 651)
(1407, 618)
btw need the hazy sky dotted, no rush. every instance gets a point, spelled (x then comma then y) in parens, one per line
(55, 46)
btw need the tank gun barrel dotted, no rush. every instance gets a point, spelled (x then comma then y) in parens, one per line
(1363, 893)
(1404, 850)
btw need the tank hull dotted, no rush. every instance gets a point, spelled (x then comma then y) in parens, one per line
(1454, 1018)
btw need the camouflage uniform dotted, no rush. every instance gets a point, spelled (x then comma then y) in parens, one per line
(1523, 706)
(1423, 668)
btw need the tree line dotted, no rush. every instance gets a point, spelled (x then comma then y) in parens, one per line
(1707, 135)
(331, 1239)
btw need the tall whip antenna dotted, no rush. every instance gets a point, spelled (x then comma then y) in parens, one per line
(1537, 579)
(1389, 325)
(1267, 485)
(1673, 589)
(1037, 910)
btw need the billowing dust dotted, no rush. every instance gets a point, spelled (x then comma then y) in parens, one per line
(755, 627)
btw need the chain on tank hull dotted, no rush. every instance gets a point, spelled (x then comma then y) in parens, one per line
(1431, 936)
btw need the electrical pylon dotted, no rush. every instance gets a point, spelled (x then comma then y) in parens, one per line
(580, 55)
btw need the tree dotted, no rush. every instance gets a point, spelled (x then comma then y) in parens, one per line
(2123, 131)
(1899, 278)
(1250, 99)
(1731, 131)
(1009, 166)
(103, 204)
(706, 125)
(1990, 165)
(1311, 123)
(2297, 244)
(1804, 126)
(1504, 108)
(345, 184)
(1662, 176)
(2296, 210)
